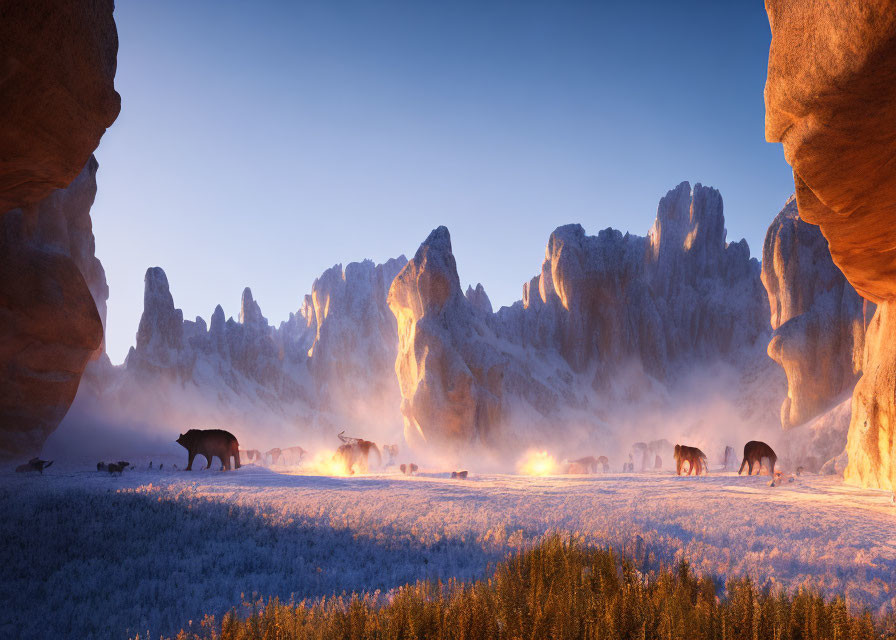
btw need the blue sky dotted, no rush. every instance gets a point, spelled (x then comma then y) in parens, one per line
(260, 143)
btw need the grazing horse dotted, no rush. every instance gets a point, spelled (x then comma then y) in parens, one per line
(754, 452)
(692, 455)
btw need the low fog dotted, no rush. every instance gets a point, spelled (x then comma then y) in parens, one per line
(711, 408)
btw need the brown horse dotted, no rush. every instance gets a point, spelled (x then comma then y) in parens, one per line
(692, 455)
(754, 452)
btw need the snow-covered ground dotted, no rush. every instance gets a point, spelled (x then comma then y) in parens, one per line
(89, 555)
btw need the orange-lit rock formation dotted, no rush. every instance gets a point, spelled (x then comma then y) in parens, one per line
(831, 100)
(449, 374)
(51, 287)
(57, 67)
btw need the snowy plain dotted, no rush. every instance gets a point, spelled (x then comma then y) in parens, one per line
(90, 555)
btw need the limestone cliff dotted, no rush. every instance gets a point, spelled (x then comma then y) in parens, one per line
(329, 367)
(817, 317)
(449, 373)
(610, 316)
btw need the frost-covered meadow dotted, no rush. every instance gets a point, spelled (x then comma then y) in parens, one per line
(90, 555)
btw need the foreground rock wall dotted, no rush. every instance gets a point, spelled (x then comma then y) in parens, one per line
(57, 67)
(57, 94)
(52, 309)
(817, 317)
(835, 118)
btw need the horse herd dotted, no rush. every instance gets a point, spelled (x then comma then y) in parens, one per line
(646, 456)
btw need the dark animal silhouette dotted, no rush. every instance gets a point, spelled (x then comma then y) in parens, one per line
(692, 455)
(210, 443)
(461, 475)
(588, 464)
(409, 469)
(34, 465)
(354, 453)
(119, 466)
(754, 452)
(605, 463)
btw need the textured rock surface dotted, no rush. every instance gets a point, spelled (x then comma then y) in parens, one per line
(871, 443)
(355, 339)
(681, 293)
(50, 324)
(835, 118)
(329, 367)
(57, 67)
(817, 317)
(449, 373)
(619, 338)
(613, 314)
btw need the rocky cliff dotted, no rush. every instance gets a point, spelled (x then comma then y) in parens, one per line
(619, 338)
(52, 310)
(817, 317)
(57, 67)
(58, 97)
(605, 309)
(449, 371)
(835, 118)
(329, 367)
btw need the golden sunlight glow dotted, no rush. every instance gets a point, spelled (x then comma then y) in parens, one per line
(538, 463)
(325, 463)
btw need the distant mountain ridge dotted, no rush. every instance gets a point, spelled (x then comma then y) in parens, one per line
(615, 331)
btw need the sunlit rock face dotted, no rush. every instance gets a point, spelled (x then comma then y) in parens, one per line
(57, 94)
(835, 118)
(354, 345)
(602, 306)
(681, 293)
(52, 309)
(870, 444)
(817, 317)
(449, 372)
